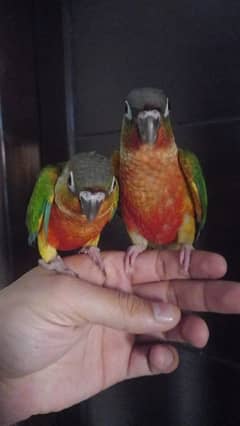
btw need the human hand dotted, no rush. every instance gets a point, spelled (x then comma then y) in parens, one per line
(63, 340)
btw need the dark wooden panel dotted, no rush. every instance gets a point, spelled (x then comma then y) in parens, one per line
(33, 108)
(189, 49)
(217, 146)
(20, 121)
(50, 76)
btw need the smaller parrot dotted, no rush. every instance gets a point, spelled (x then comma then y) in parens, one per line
(69, 206)
(162, 189)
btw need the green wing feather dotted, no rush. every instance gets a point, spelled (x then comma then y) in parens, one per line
(39, 207)
(193, 174)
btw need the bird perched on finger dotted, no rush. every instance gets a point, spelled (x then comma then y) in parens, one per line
(69, 207)
(163, 191)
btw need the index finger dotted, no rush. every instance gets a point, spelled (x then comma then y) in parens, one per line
(221, 297)
(150, 266)
(164, 265)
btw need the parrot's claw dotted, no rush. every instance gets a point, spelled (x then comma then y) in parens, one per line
(185, 256)
(58, 266)
(130, 257)
(95, 255)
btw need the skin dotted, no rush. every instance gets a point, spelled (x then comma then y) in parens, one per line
(65, 339)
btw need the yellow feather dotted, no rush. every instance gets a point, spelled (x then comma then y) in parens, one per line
(93, 242)
(47, 252)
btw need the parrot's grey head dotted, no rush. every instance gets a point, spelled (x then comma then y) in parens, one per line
(90, 177)
(146, 108)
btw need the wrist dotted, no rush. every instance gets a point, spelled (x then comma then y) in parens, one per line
(16, 401)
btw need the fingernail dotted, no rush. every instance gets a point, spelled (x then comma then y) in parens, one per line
(163, 312)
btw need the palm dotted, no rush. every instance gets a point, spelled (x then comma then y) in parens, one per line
(95, 361)
(57, 348)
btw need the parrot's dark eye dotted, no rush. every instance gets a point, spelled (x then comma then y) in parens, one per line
(127, 111)
(167, 109)
(70, 182)
(113, 185)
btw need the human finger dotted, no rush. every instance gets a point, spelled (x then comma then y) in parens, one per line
(150, 359)
(207, 296)
(112, 308)
(151, 265)
(199, 295)
(191, 329)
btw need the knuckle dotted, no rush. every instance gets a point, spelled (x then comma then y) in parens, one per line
(161, 266)
(131, 305)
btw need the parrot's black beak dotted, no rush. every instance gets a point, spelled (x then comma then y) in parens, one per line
(148, 123)
(91, 203)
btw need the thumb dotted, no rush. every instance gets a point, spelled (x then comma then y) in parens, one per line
(117, 309)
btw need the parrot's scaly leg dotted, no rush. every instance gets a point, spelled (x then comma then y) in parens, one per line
(185, 238)
(95, 255)
(50, 259)
(139, 245)
(185, 256)
(131, 256)
(94, 252)
(57, 265)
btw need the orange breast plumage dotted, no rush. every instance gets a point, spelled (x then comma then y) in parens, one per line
(154, 194)
(69, 233)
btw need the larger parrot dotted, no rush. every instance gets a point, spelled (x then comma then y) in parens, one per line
(163, 191)
(70, 205)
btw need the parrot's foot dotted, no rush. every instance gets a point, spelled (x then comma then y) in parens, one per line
(131, 256)
(58, 266)
(95, 255)
(185, 256)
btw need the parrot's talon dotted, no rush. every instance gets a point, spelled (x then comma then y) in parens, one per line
(130, 257)
(185, 256)
(58, 266)
(95, 255)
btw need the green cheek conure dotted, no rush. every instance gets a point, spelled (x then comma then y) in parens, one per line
(163, 192)
(69, 207)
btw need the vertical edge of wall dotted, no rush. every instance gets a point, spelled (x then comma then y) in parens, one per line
(5, 226)
(68, 75)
